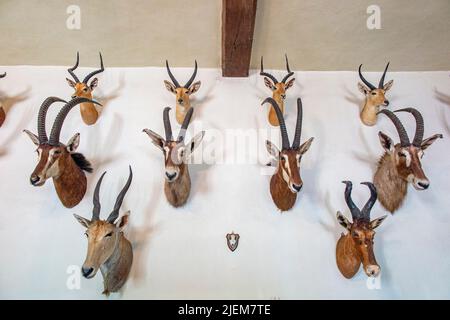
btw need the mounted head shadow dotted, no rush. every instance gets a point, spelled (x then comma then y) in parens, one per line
(2, 111)
(59, 161)
(82, 89)
(375, 97)
(286, 182)
(356, 246)
(278, 88)
(108, 248)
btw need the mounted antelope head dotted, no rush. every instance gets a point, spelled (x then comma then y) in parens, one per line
(401, 162)
(2, 112)
(356, 246)
(375, 97)
(278, 90)
(286, 182)
(182, 93)
(59, 161)
(108, 249)
(82, 89)
(177, 186)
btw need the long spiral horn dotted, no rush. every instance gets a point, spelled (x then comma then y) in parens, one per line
(381, 84)
(418, 136)
(57, 125)
(403, 135)
(167, 126)
(298, 126)
(175, 82)
(184, 126)
(354, 210)
(262, 73)
(290, 73)
(188, 84)
(284, 135)
(93, 73)
(96, 199)
(371, 86)
(115, 212)
(42, 114)
(365, 212)
(71, 70)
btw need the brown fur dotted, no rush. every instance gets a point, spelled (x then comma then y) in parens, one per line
(2, 116)
(177, 192)
(182, 94)
(278, 91)
(282, 196)
(347, 257)
(89, 113)
(374, 100)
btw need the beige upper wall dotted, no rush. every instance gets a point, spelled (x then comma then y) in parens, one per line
(317, 34)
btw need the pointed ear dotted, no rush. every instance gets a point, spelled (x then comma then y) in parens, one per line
(122, 221)
(32, 136)
(194, 143)
(289, 84)
(71, 83)
(386, 142)
(272, 149)
(269, 84)
(429, 141)
(388, 85)
(73, 143)
(194, 88)
(363, 88)
(343, 221)
(376, 222)
(170, 86)
(157, 140)
(93, 84)
(83, 221)
(305, 146)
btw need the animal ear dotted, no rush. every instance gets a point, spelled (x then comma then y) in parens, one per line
(73, 143)
(386, 142)
(376, 222)
(289, 84)
(269, 84)
(170, 86)
(363, 88)
(194, 143)
(83, 221)
(272, 149)
(94, 83)
(194, 88)
(429, 141)
(388, 85)
(32, 136)
(305, 146)
(157, 140)
(71, 83)
(122, 221)
(343, 221)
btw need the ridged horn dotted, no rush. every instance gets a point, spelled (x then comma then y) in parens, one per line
(354, 210)
(167, 126)
(403, 135)
(71, 70)
(284, 134)
(115, 212)
(96, 199)
(367, 83)
(381, 84)
(298, 125)
(194, 74)
(42, 114)
(184, 126)
(290, 73)
(93, 73)
(262, 73)
(418, 136)
(175, 82)
(365, 212)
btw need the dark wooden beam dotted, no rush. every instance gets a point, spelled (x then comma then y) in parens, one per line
(238, 24)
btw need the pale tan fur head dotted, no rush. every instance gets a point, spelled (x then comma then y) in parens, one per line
(82, 88)
(375, 96)
(278, 88)
(182, 93)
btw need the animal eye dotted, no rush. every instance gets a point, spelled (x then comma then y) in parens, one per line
(401, 154)
(85, 89)
(108, 235)
(374, 93)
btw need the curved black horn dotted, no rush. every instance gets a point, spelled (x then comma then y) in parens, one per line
(262, 73)
(42, 114)
(298, 126)
(175, 82)
(167, 126)
(371, 86)
(71, 70)
(284, 134)
(418, 136)
(96, 199)
(188, 84)
(93, 73)
(3, 75)
(115, 212)
(365, 212)
(290, 73)
(403, 135)
(57, 125)
(185, 124)
(356, 213)
(381, 84)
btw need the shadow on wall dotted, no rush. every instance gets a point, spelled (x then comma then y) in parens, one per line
(105, 99)
(445, 99)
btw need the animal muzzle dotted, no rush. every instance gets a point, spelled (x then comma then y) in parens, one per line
(372, 270)
(180, 102)
(296, 187)
(421, 184)
(171, 174)
(36, 180)
(88, 272)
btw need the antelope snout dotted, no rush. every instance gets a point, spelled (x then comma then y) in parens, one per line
(283, 96)
(88, 272)
(372, 270)
(296, 187)
(171, 174)
(421, 184)
(36, 181)
(180, 101)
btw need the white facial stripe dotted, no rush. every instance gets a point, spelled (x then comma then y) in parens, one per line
(166, 152)
(408, 158)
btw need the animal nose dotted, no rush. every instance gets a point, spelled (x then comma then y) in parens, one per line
(297, 187)
(423, 185)
(34, 179)
(373, 270)
(170, 176)
(283, 96)
(386, 103)
(86, 271)
(180, 100)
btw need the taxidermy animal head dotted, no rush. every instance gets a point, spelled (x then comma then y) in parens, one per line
(278, 90)
(356, 246)
(401, 163)
(2, 112)
(108, 249)
(286, 182)
(59, 161)
(182, 93)
(177, 184)
(82, 89)
(375, 97)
